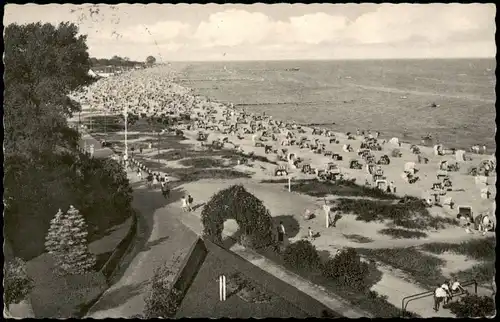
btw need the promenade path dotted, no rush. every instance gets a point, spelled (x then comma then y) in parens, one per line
(169, 237)
(164, 227)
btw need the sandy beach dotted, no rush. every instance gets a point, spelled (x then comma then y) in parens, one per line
(215, 120)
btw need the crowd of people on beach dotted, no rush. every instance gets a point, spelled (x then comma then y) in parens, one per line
(152, 93)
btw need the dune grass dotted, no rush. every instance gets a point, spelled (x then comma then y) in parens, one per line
(424, 269)
(317, 188)
(482, 273)
(478, 249)
(412, 214)
(398, 233)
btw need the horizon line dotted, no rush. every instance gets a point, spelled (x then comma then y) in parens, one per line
(326, 59)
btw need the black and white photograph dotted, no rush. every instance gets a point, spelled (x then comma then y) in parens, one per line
(249, 160)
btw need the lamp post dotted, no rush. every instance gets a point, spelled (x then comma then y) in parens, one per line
(126, 121)
(158, 145)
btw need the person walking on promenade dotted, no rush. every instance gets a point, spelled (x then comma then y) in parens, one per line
(190, 203)
(439, 296)
(184, 205)
(155, 180)
(281, 234)
(165, 190)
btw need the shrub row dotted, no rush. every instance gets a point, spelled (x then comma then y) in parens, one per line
(346, 268)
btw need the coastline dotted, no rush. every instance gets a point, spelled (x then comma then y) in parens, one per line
(286, 109)
(405, 142)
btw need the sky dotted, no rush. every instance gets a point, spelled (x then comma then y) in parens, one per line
(211, 32)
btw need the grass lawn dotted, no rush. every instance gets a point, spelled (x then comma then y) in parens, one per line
(410, 214)
(478, 249)
(202, 298)
(399, 233)
(317, 188)
(115, 123)
(424, 269)
(61, 297)
(178, 154)
(366, 300)
(206, 163)
(193, 174)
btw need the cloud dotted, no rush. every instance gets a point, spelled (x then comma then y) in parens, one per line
(434, 23)
(404, 29)
(233, 28)
(161, 32)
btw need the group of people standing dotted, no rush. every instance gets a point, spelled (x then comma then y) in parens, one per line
(444, 293)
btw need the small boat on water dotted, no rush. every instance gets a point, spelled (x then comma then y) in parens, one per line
(435, 105)
(295, 69)
(403, 97)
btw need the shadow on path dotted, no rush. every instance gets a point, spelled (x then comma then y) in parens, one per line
(118, 296)
(145, 221)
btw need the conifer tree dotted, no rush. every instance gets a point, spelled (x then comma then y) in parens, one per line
(75, 257)
(53, 240)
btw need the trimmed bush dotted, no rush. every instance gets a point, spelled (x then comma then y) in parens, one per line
(17, 283)
(163, 299)
(249, 212)
(347, 269)
(473, 306)
(301, 255)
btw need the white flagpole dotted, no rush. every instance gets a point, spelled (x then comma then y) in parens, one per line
(224, 287)
(327, 213)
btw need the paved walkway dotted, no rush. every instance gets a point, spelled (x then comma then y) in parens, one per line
(164, 222)
(333, 302)
(159, 241)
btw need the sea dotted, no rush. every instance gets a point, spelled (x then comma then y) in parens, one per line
(451, 99)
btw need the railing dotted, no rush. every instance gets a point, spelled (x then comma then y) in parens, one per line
(408, 299)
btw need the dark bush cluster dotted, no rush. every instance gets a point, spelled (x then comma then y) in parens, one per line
(473, 306)
(301, 255)
(347, 269)
(163, 299)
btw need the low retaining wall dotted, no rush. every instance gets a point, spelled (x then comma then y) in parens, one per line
(190, 267)
(110, 266)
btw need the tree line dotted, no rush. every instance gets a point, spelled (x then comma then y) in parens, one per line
(117, 61)
(43, 169)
